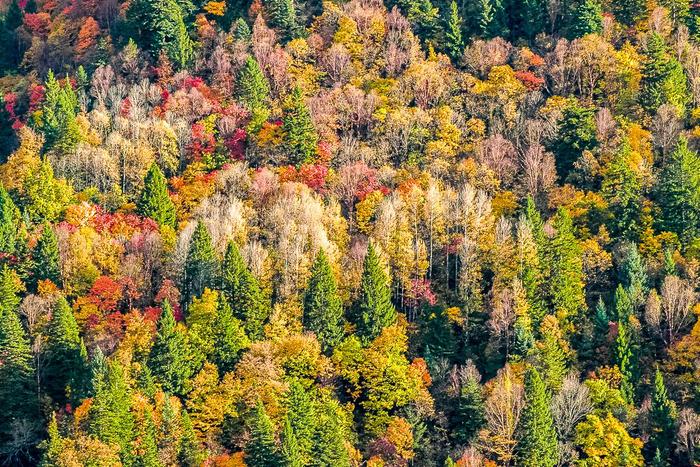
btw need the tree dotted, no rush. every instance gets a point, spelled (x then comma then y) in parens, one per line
(537, 445)
(147, 455)
(189, 453)
(678, 193)
(566, 277)
(374, 310)
(470, 410)
(633, 275)
(587, 18)
(629, 12)
(300, 137)
(605, 442)
(261, 450)
(243, 293)
(46, 257)
(9, 222)
(290, 448)
(626, 359)
(169, 359)
(155, 201)
(663, 79)
(253, 90)
(323, 308)
(229, 337)
(622, 189)
(63, 364)
(329, 439)
(201, 265)
(623, 305)
(576, 133)
(302, 417)
(59, 111)
(663, 419)
(283, 16)
(454, 43)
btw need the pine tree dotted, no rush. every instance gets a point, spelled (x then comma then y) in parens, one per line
(243, 293)
(169, 360)
(290, 447)
(454, 42)
(551, 357)
(241, 30)
(190, 453)
(155, 201)
(470, 413)
(9, 222)
(46, 257)
(201, 265)
(663, 79)
(323, 308)
(601, 324)
(537, 443)
(629, 12)
(486, 19)
(374, 310)
(261, 450)
(678, 193)
(329, 439)
(63, 361)
(301, 415)
(663, 419)
(587, 18)
(229, 337)
(566, 278)
(300, 136)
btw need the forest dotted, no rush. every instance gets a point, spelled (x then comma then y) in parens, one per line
(349, 233)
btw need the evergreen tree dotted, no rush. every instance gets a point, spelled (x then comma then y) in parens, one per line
(201, 265)
(551, 358)
(63, 361)
(486, 19)
(53, 446)
(46, 257)
(678, 193)
(302, 417)
(537, 443)
(623, 305)
(290, 447)
(148, 447)
(566, 278)
(261, 450)
(190, 453)
(663, 419)
(243, 293)
(622, 189)
(283, 16)
(154, 201)
(586, 19)
(454, 42)
(424, 18)
(633, 275)
(241, 30)
(626, 359)
(531, 18)
(229, 337)
(329, 439)
(323, 308)
(169, 360)
(629, 12)
(663, 79)
(253, 90)
(59, 111)
(470, 413)
(576, 133)
(9, 222)
(300, 137)
(374, 310)
(601, 324)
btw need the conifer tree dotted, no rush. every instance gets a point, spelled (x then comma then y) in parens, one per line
(486, 19)
(283, 16)
(537, 443)
(290, 447)
(59, 111)
(633, 275)
(622, 189)
(169, 360)
(243, 293)
(53, 446)
(601, 323)
(626, 360)
(551, 358)
(261, 450)
(9, 290)
(229, 337)
(253, 90)
(470, 414)
(623, 305)
(323, 308)
(663, 419)
(424, 17)
(587, 18)
(148, 447)
(374, 310)
(663, 79)
(532, 18)
(63, 363)
(566, 278)
(329, 439)
(46, 257)
(154, 201)
(302, 417)
(454, 42)
(189, 453)
(629, 12)
(300, 136)
(201, 265)
(9, 222)
(576, 133)
(678, 193)
(241, 30)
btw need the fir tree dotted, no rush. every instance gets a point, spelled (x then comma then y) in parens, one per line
(169, 360)
(53, 446)
(46, 257)
(323, 308)
(283, 16)
(601, 324)
(300, 137)
(329, 439)
(566, 278)
(551, 358)
(261, 450)
(663, 79)
(229, 337)
(148, 447)
(59, 111)
(155, 201)
(622, 189)
(374, 310)
(537, 443)
(576, 133)
(586, 18)
(629, 12)
(663, 419)
(189, 453)
(633, 275)
(9, 222)
(626, 360)
(470, 413)
(243, 293)
(63, 361)
(486, 19)
(454, 42)
(253, 90)
(290, 447)
(241, 30)
(623, 305)
(201, 265)
(301, 415)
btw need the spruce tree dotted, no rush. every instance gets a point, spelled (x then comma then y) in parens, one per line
(551, 358)
(301, 415)
(374, 310)
(329, 439)
(241, 30)
(261, 450)
(486, 19)
(470, 413)
(46, 257)
(154, 201)
(283, 16)
(59, 111)
(9, 223)
(189, 453)
(633, 275)
(626, 359)
(253, 91)
(169, 358)
(537, 442)
(229, 337)
(601, 325)
(663, 419)
(576, 133)
(678, 193)
(623, 305)
(622, 189)
(566, 278)
(53, 446)
(63, 361)
(629, 12)
(663, 79)
(148, 446)
(454, 42)
(290, 447)
(243, 293)
(323, 308)
(201, 265)
(586, 18)
(300, 136)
